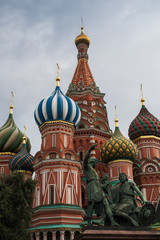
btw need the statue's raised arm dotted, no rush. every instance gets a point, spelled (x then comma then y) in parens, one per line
(87, 155)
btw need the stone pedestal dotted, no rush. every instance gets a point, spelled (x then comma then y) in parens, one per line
(128, 233)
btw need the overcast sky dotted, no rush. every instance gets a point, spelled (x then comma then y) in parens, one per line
(124, 52)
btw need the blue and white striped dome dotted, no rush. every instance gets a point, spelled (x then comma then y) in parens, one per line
(57, 106)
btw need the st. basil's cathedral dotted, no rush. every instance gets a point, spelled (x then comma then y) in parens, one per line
(69, 124)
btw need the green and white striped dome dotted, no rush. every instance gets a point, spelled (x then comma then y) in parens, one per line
(11, 138)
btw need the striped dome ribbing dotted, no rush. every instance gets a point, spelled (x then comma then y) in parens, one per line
(57, 107)
(144, 124)
(11, 137)
(22, 160)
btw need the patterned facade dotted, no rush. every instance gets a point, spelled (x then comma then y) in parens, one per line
(69, 124)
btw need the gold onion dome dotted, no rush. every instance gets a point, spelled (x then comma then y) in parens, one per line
(82, 38)
(118, 147)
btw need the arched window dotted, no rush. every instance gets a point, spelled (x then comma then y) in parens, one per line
(67, 235)
(49, 236)
(41, 236)
(57, 235)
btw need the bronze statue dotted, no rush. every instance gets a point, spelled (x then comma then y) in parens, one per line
(125, 204)
(95, 194)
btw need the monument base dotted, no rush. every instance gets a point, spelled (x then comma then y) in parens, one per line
(132, 233)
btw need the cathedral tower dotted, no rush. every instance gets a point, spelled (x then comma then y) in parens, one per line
(144, 131)
(57, 204)
(94, 126)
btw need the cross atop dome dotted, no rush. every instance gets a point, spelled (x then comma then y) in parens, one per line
(116, 119)
(58, 77)
(142, 99)
(11, 106)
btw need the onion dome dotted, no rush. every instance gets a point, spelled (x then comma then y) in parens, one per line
(144, 124)
(57, 107)
(22, 161)
(11, 137)
(82, 38)
(118, 147)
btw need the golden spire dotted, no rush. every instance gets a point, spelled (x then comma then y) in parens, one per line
(24, 136)
(116, 119)
(142, 99)
(81, 30)
(11, 106)
(58, 78)
(81, 26)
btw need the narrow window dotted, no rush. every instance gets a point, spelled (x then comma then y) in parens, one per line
(65, 141)
(43, 182)
(38, 196)
(51, 195)
(148, 153)
(119, 170)
(69, 197)
(111, 172)
(157, 152)
(54, 140)
(2, 170)
(140, 154)
(128, 172)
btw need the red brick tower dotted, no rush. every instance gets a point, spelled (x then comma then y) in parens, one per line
(57, 205)
(94, 126)
(145, 132)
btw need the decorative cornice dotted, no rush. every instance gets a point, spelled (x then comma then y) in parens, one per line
(57, 121)
(145, 137)
(58, 161)
(7, 153)
(120, 160)
(23, 171)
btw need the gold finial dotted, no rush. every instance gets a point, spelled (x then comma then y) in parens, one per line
(11, 106)
(58, 78)
(116, 119)
(24, 136)
(81, 25)
(142, 99)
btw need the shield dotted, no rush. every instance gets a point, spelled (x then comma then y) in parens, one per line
(146, 214)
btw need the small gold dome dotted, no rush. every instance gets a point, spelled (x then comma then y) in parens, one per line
(82, 38)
